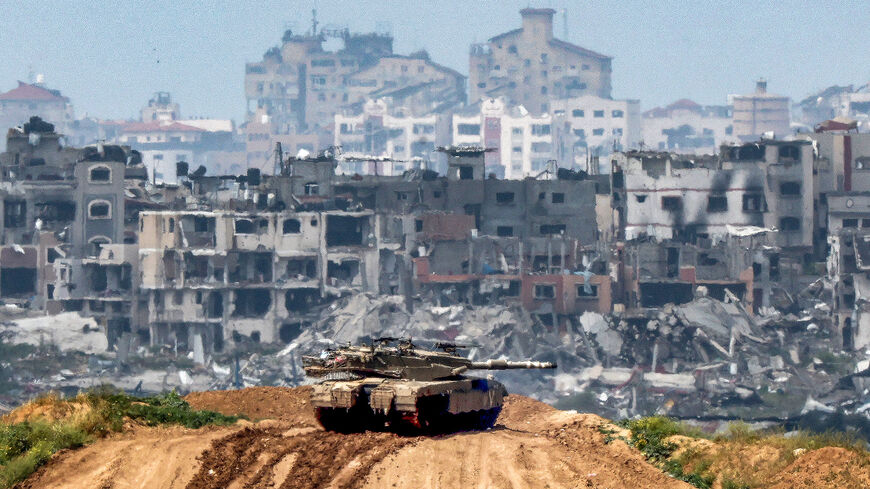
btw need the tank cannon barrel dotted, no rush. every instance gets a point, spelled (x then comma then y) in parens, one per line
(508, 365)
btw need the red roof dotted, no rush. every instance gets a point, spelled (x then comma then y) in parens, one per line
(158, 126)
(26, 91)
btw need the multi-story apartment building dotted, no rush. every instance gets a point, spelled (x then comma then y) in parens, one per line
(759, 113)
(170, 146)
(66, 228)
(377, 142)
(295, 91)
(530, 67)
(519, 144)
(687, 127)
(591, 126)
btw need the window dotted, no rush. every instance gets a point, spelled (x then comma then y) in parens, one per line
(100, 209)
(753, 202)
(672, 203)
(598, 132)
(543, 57)
(865, 223)
(549, 229)
(504, 231)
(544, 89)
(585, 67)
(617, 131)
(418, 225)
(558, 198)
(481, 85)
(429, 129)
(543, 291)
(850, 223)
(401, 196)
(617, 113)
(312, 188)
(504, 197)
(517, 149)
(200, 224)
(291, 226)
(542, 147)
(582, 293)
(178, 297)
(469, 129)
(790, 188)
(789, 152)
(171, 225)
(244, 226)
(436, 194)
(517, 131)
(789, 224)
(14, 213)
(598, 113)
(580, 133)
(100, 174)
(577, 113)
(540, 129)
(717, 203)
(466, 173)
(512, 49)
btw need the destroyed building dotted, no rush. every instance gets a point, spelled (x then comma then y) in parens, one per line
(65, 226)
(18, 105)
(684, 217)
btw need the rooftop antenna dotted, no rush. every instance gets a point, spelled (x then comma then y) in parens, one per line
(314, 20)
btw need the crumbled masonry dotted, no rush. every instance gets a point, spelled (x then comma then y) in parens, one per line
(699, 287)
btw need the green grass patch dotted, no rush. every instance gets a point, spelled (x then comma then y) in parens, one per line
(728, 456)
(27, 445)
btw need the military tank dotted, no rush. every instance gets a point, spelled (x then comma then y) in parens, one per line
(404, 387)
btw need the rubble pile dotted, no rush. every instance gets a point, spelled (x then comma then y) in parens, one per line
(706, 359)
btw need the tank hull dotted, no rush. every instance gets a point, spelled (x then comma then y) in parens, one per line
(379, 403)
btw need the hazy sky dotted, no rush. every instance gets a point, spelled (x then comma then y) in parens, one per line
(110, 56)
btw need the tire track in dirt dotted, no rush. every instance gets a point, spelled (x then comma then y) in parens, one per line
(248, 459)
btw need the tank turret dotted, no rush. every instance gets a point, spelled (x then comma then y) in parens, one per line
(378, 385)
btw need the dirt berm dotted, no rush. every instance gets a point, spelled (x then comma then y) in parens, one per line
(533, 445)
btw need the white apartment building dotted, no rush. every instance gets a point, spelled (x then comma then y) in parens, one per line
(522, 144)
(383, 143)
(595, 126)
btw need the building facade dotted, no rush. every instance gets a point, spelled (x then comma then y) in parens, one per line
(530, 67)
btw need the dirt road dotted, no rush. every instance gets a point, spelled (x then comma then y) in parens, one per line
(533, 445)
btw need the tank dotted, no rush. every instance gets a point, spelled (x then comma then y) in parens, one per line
(403, 387)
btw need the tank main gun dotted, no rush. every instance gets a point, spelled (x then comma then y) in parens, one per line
(403, 362)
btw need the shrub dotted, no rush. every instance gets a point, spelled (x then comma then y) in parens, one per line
(26, 446)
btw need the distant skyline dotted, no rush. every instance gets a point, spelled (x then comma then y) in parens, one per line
(109, 58)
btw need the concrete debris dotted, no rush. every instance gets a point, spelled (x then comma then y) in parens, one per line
(67, 332)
